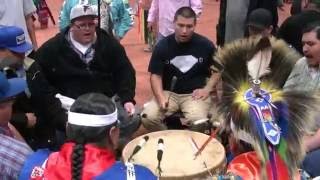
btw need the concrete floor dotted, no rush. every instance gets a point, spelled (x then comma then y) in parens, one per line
(134, 45)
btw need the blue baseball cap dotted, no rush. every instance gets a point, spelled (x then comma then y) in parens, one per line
(9, 88)
(13, 38)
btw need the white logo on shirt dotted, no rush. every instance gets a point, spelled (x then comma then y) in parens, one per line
(184, 63)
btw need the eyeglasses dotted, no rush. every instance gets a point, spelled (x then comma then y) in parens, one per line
(85, 26)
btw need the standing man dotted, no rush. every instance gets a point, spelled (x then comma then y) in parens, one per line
(234, 15)
(20, 16)
(182, 75)
(148, 36)
(79, 60)
(164, 10)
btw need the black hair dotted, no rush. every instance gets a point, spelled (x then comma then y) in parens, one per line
(96, 104)
(186, 12)
(313, 27)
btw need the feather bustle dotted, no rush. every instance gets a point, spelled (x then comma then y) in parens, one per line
(234, 57)
(258, 66)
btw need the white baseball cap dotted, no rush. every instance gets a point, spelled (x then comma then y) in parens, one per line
(80, 10)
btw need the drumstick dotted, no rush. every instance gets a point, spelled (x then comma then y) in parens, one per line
(138, 147)
(213, 135)
(173, 83)
(159, 154)
(196, 148)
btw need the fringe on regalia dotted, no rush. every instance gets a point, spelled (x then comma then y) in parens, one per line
(288, 113)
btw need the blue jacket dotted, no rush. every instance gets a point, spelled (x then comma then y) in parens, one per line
(120, 16)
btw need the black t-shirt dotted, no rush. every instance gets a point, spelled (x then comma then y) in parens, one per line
(189, 62)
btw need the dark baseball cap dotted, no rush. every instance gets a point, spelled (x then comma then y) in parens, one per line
(260, 18)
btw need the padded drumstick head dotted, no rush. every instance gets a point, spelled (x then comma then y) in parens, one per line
(138, 147)
(160, 149)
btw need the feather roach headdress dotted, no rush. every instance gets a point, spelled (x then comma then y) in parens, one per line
(254, 105)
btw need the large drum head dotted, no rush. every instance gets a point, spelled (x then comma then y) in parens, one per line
(178, 157)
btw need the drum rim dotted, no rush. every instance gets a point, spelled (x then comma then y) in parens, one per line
(220, 166)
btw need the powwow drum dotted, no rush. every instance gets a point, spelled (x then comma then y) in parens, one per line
(178, 159)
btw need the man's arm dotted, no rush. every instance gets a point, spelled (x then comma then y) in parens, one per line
(124, 73)
(31, 31)
(157, 89)
(124, 20)
(215, 69)
(64, 16)
(213, 81)
(196, 5)
(209, 87)
(153, 14)
(124, 77)
(28, 9)
(46, 106)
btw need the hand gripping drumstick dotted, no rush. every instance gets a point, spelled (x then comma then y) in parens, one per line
(213, 135)
(173, 83)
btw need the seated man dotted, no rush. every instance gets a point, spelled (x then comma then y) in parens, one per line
(13, 152)
(306, 77)
(80, 60)
(181, 75)
(92, 133)
(13, 63)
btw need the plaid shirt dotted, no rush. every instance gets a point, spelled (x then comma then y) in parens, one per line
(13, 153)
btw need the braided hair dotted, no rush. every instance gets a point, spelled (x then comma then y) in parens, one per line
(96, 104)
